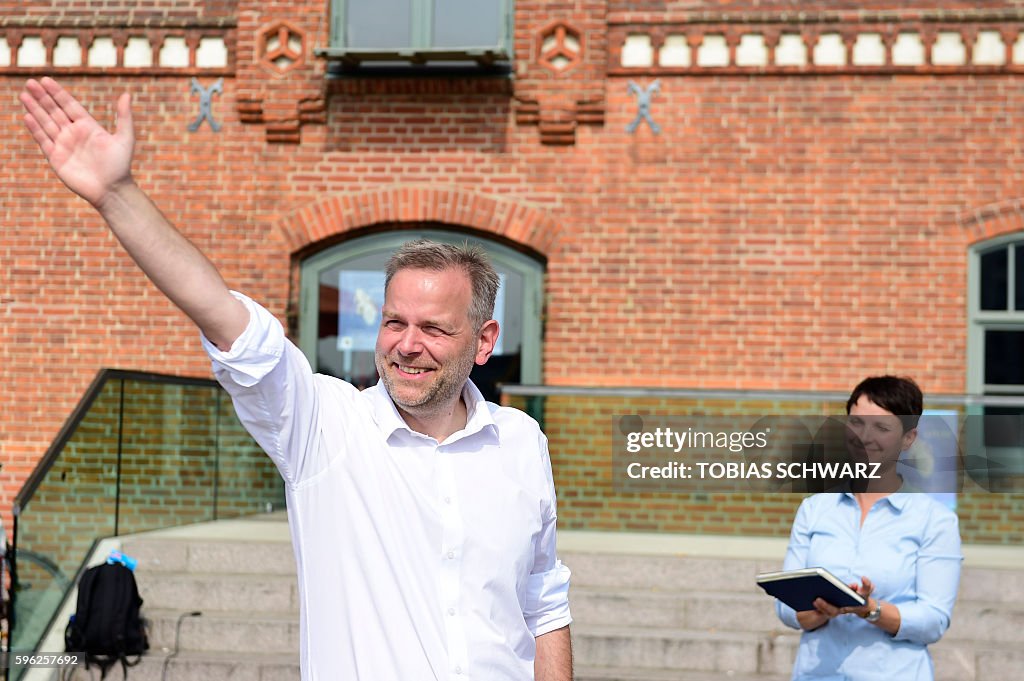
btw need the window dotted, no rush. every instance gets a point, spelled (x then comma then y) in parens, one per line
(995, 349)
(343, 289)
(420, 31)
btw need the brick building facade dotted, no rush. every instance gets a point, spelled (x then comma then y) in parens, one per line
(798, 209)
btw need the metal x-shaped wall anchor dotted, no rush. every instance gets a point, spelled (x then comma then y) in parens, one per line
(643, 101)
(205, 104)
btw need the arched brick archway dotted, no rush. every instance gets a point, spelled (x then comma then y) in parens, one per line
(992, 220)
(339, 213)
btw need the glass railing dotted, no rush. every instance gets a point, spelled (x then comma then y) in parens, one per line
(141, 452)
(978, 467)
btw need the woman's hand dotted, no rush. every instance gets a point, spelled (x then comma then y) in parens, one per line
(823, 611)
(864, 589)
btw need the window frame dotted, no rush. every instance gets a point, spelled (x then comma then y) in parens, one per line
(421, 35)
(980, 321)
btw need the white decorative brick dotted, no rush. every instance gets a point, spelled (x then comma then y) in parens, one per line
(791, 50)
(213, 54)
(675, 51)
(637, 51)
(32, 52)
(908, 50)
(5, 53)
(830, 50)
(67, 52)
(1018, 50)
(751, 51)
(989, 49)
(713, 51)
(102, 52)
(949, 49)
(869, 50)
(138, 53)
(174, 52)
(571, 42)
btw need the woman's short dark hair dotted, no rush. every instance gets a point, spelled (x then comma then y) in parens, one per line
(897, 394)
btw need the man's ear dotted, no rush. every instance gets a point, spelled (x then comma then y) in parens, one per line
(485, 341)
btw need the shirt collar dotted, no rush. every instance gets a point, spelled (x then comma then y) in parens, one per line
(389, 420)
(478, 415)
(898, 500)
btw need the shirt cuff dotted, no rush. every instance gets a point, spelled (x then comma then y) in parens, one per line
(253, 354)
(921, 624)
(787, 615)
(547, 599)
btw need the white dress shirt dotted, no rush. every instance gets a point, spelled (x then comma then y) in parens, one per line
(417, 560)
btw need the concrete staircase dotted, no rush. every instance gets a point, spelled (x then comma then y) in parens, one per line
(635, 621)
(638, 615)
(240, 575)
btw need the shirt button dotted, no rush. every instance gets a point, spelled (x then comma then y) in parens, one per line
(447, 500)
(451, 611)
(451, 555)
(458, 670)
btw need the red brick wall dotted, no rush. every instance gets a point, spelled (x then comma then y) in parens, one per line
(92, 12)
(745, 7)
(783, 231)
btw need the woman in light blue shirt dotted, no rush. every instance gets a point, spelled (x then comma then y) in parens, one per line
(898, 549)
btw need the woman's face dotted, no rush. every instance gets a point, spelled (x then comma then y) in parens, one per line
(875, 435)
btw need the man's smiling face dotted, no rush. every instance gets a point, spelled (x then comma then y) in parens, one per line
(427, 346)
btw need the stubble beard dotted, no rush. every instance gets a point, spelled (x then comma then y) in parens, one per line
(435, 397)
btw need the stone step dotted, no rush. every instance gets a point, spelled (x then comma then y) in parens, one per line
(993, 585)
(630, 674)
(981, 664)
(210, 556)
(219, 591)
(197, 666)
(630, 647)
(241, 632)
(731, 575)
(972, 620)
(668, 609)
(962, 659)
(954, 659)
(637, 617)
(770, 654)
(1000, 663)
(976, 660)
(269, 551)
(664, 573)
(992, 622)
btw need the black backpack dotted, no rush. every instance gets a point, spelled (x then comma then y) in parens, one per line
(106, 626)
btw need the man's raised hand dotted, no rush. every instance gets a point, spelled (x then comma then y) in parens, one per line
(87, 158)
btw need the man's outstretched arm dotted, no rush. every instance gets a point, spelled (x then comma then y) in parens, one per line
(96, 165)
(554, 656)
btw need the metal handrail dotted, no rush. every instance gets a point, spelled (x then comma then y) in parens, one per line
(37, 475)
(520, 390)
(53, 452)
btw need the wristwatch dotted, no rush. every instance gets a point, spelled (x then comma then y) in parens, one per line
(875, 614)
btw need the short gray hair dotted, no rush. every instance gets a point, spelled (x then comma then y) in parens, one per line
(424, 254)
